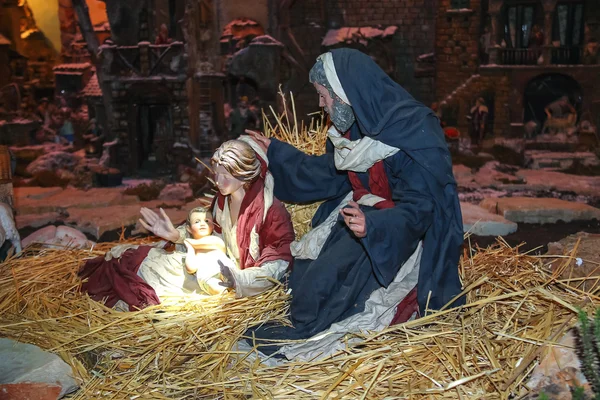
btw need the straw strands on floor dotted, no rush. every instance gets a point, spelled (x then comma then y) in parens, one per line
(516, 310)
(159, 352)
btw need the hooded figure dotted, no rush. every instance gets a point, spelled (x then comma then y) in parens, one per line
(390, 226)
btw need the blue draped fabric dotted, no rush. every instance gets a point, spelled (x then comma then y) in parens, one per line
(347, 270)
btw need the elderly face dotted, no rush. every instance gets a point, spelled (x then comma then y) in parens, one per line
(340, 113)
(325, 99)
(226, 183)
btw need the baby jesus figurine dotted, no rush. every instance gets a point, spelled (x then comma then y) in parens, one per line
(204, 251)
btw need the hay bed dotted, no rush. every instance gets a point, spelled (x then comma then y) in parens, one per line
(183, 350)
(516, 309)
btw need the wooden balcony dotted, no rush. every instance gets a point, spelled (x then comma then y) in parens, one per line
(519, 56)
(144, 60)
(572, 55)
(566, 55)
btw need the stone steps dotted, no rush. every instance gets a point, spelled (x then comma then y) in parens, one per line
(552, 160)
(479, 221)
(540, 210)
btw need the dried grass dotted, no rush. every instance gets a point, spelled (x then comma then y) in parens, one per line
(516, 309)
(309, 139)
(159, 352)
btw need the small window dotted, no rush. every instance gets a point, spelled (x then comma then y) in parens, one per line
(567, 28)
(458, 4)
(519, 21)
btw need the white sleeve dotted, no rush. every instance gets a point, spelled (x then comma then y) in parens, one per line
(251, 281)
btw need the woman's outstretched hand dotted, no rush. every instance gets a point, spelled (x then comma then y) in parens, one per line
(160, 225)
(355, 219)
(263, 141)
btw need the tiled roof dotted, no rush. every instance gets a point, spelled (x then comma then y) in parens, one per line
(72, 67)
(92, 89)
(4, 40)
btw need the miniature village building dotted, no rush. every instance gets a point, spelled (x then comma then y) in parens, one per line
(168, 68)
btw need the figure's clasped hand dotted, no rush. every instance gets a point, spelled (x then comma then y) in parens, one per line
(263, 141)
(355, 219)
(228, 280)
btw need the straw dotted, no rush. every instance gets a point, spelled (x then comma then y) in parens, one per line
(186, 348)
(309, 139)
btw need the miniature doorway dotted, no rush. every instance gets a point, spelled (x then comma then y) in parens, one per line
(154, 133)
(545, 89)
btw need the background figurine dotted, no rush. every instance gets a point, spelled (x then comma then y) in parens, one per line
(560, 116)
(163, 35)
(478, 116)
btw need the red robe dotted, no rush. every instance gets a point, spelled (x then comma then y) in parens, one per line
(117, 279)
(275, 231)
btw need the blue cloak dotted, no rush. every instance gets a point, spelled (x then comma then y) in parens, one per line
(348, 269)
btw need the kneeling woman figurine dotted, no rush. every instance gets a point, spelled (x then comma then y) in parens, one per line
(250, 226)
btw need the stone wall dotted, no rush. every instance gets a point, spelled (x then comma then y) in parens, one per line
(460, 79)
(520, 77)
(507, 85)
(456, 46)
(494, 86)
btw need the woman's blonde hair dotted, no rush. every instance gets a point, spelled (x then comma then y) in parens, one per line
(239, 159)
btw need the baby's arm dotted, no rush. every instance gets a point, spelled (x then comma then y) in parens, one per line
(207, 243)
(191, 260)
(208, 272)
(203, 245)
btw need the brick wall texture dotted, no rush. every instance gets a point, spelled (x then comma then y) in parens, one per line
(432, 26)
(310, 20)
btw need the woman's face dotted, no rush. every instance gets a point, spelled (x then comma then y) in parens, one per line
(201, 225)
(226, 183)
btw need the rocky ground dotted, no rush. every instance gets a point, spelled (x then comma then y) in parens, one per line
(100, 213)
(491, 207)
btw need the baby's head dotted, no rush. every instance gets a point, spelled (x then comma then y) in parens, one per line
(199, 223)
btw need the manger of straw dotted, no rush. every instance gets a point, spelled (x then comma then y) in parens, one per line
(517, 308)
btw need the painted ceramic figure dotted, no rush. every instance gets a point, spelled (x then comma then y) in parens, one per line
(479, 117)
(134, 277)
(255, 226)
(250, 226)
(390, 225)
